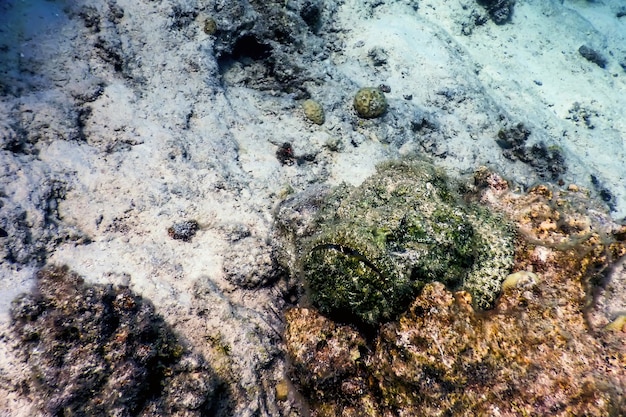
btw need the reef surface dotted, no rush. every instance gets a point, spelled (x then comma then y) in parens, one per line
(146, 145)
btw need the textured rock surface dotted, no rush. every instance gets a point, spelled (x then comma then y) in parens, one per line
(500, 11)
(535, 353)
(122, 119)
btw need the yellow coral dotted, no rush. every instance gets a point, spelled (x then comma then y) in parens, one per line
(313, 111)
(617, 325)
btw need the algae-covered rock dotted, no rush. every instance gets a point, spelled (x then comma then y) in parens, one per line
(96, 350)
(368, 250)
(327, 362)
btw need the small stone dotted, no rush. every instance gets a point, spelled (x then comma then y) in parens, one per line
(334, 144)
(210, 26)
(520, 279)
(370, 102)
(313, 111)
(285, 154)
(378, 56)
(593, 56)
(500, 11)
(184, 230)
(282, 390)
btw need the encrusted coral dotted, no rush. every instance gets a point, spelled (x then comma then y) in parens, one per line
(537, 352)
(328, 364)
(373, 247)
(313, 111)
(370, 102)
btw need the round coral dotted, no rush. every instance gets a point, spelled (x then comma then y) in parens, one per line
(313, 111)
(370, 102)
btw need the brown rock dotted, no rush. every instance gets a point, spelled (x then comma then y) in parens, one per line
(327, 364)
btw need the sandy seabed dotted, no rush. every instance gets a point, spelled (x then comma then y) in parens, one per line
(121, 119)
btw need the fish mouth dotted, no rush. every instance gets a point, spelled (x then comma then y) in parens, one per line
(348, 252)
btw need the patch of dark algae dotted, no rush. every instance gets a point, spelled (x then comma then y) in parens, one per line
(101, 350)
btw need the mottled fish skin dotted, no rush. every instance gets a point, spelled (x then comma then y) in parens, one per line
(369, 250)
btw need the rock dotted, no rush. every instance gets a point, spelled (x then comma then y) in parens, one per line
(102, 350)
(183, 230)
(592, 55)
(500, 11)
(274, 43)
(327, 364)
(249, 264)
(548, 161)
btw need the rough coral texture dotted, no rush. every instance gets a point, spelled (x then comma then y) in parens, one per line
(373, 247)
(541, 351)
(370, 102)
(102, 350)
(323, 350)
(271, 38)
(313, 111)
